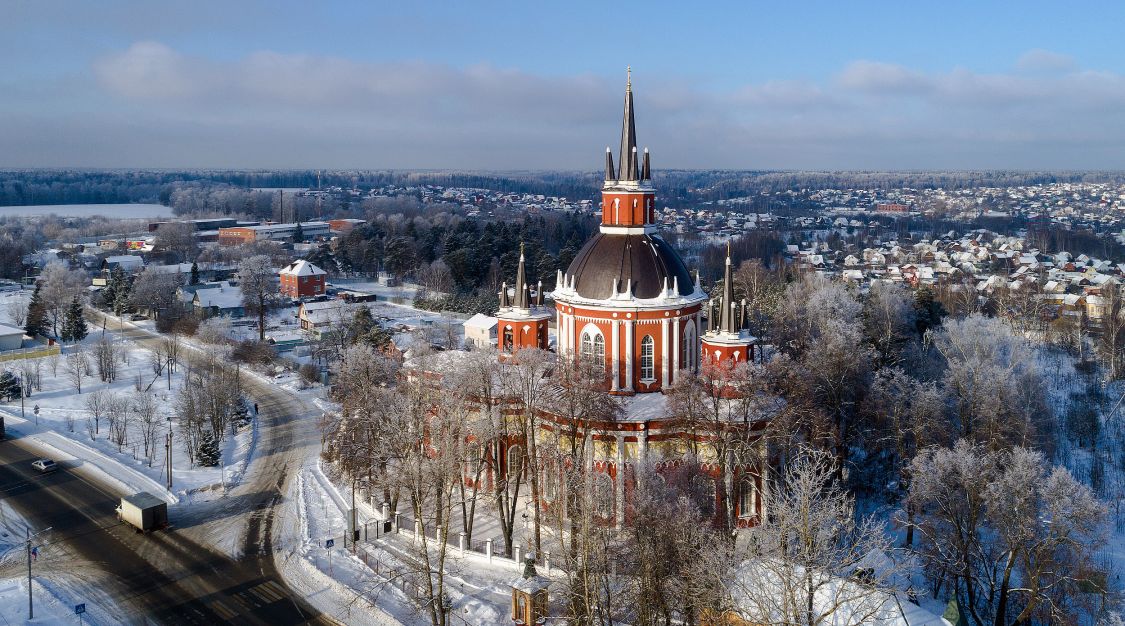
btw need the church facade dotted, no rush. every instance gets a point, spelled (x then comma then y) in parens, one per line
(628, 307)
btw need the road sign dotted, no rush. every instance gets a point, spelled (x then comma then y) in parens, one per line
(36, 409)
(79, 609)
(329, 543)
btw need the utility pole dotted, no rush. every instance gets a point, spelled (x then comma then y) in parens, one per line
(30, 601)
(168, 454)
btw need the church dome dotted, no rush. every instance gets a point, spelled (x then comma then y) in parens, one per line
(641, 262)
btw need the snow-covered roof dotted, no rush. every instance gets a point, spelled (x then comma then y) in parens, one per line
(301, 267)
(125, 260)
(480, 320)
(222, 297)
(7, 331)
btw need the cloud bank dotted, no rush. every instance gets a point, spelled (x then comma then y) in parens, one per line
(151, 105)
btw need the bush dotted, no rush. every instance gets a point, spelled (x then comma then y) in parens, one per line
(186, 325)
(309, 373)
(254, 352)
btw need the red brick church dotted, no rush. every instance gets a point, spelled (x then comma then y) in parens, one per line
(629, 305)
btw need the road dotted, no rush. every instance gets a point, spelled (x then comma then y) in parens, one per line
(216, 565)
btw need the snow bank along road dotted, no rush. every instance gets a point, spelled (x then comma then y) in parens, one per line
(214, 566)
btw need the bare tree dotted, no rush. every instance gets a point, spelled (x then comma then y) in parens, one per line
(800, 562)
(994, 381)
(888, 320)
(177, 238)
(60, 286)
(525, 380)
(107, 355)
(97, 403)
(1004, 531)
(724, 407)
(117, 412)
(17, 312)
(154, 290)
(256, 280)
(77, 368)
(144, 405)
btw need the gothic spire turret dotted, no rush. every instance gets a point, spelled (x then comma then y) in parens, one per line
(726, 307)
(627, 158)
(522, 294)
(609, 173)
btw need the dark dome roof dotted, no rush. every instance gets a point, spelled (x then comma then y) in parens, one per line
(646, 260)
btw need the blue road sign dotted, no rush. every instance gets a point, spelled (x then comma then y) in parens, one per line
(79, 609)
(329, 543)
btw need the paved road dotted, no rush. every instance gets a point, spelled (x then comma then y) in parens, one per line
(216, 565)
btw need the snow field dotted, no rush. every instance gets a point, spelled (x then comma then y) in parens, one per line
(126, 466)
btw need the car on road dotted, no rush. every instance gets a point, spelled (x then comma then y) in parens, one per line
(45, 465)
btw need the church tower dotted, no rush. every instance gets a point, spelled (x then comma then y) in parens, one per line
(727, 341)
(627, 303)
(522, 319)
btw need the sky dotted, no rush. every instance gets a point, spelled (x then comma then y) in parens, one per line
(490, 85)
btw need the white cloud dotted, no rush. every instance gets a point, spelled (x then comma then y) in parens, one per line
(1040, 60)
(883, 78)
(152, 105)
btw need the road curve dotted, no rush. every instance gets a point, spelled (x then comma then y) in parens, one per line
(188, 574)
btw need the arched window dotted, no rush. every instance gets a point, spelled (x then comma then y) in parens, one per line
(515, 461)
(648, 352)
(507, 345)
(593, 349)
(747, 498)
(688, 349)
(603, 496)
(550, 483)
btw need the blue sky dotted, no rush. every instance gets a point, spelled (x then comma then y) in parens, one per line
(524, 85)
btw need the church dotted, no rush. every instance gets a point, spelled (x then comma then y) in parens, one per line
(629, 308)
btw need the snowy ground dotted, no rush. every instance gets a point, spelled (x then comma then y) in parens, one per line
(64, 429)
(373, 574)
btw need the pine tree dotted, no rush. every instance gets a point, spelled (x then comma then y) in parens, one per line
(208, 450)
(298, 234)
(9, 386)
(117, 291)
(194, 273)
(74, 326)
(36, 314)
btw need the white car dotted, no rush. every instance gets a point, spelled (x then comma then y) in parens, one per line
(45, 465)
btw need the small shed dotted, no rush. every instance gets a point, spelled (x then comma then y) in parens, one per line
(11, 337)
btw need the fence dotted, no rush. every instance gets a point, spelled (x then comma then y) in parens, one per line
(28, 353)
(490, 550)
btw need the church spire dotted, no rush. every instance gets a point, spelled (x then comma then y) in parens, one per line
(609, 173)
(522, 295)
(726, 313)
(627, 158)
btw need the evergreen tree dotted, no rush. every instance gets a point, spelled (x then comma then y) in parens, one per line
(194, 273)
(74, 326)
(208, 451)
(114, 287)
(298, 234)
(9, 386)
(36, 313)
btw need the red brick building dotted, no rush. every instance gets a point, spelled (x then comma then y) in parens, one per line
(301, 279)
